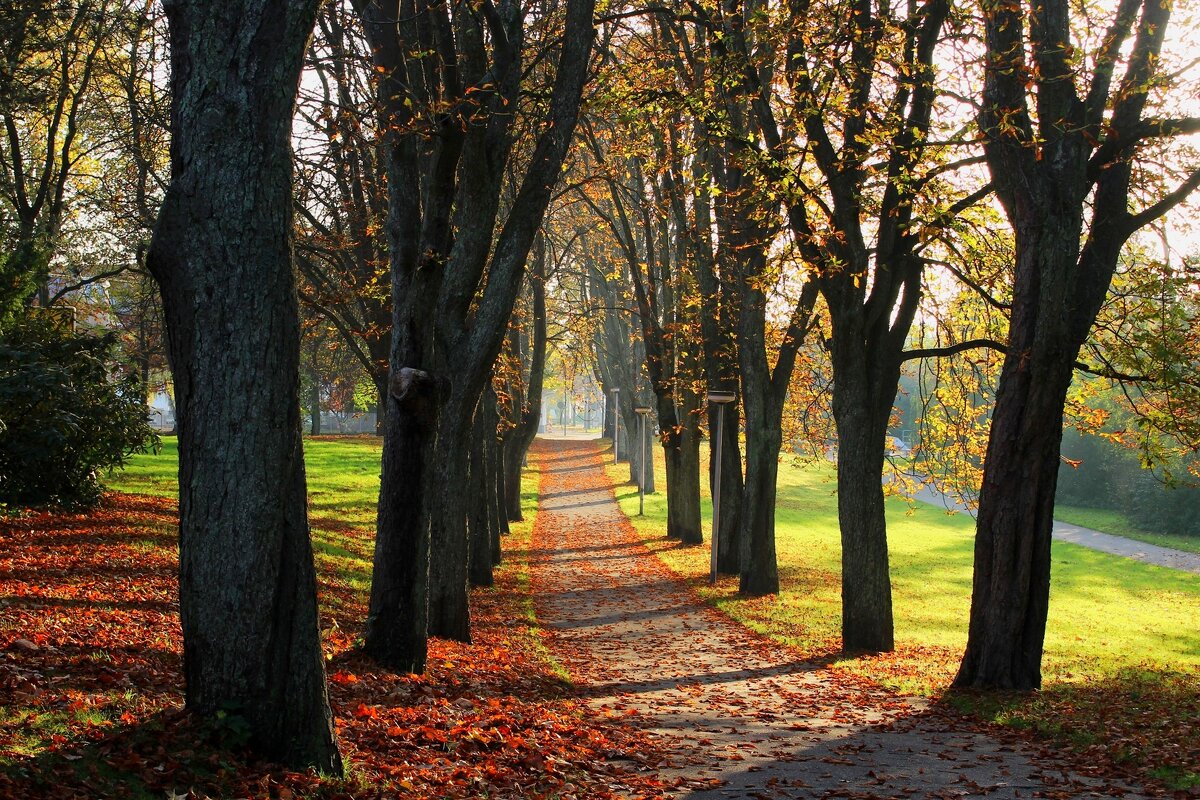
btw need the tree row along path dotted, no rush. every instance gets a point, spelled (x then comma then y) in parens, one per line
(739, 715)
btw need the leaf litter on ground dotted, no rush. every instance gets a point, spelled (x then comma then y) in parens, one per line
(91, 689)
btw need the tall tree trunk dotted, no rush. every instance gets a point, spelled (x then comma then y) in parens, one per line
(531, 415)
(759, 571)
(496, 485)
(222, 256)
(681, 449)
(398, 621)
(861, 414)
(1011, 587)
(479, 501)
(513, 455)
(450, 545)
(632, 443)
(609, 414)
(729, 527)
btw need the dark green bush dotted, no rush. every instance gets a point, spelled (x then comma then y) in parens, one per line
(66, 415)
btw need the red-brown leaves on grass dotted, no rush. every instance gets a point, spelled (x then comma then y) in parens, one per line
(91, 691)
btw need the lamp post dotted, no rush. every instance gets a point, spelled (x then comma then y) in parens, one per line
(642, 412)
(720, 400)
(616, 425)
(587, 404)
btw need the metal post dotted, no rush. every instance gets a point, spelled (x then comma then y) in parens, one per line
(716, 523)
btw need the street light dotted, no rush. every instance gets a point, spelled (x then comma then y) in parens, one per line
(587, 404)
(616, 425)
(720, 400)
(642, 411)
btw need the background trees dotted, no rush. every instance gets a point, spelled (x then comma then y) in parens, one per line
(450, 79)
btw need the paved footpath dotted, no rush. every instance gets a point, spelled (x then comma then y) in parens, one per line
(740, 716)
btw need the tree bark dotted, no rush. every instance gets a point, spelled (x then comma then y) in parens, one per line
(450, 544)
(759, 572)
(498, 525)
(222, 256)
(398, 621)
(480, 503)
(1011, 586)
(682, 451)
(861, 408)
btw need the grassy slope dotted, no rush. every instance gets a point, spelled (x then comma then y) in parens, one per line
(1119, 631)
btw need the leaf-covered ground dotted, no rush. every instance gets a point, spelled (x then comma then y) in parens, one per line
(1121, 687)
(91, 688)
(766, 718)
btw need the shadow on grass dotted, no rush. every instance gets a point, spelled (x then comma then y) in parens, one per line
(169, 753)
(1141, 720)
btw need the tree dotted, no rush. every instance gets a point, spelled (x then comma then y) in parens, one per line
(746, 174)
(342, 202)
(450, 78)
(68, 414)
(878, 167)
(522, 384)
(51, 56)
(1062, 146)
(222, 256)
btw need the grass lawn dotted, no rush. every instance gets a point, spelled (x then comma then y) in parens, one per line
(1122, 660)
(1116, 523)
(343, 489)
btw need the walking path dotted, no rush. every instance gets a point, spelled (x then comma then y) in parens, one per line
(740, 716)
(1104, 542)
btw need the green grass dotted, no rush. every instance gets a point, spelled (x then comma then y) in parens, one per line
(1116, 523)
(1121, 643)
(343, 489)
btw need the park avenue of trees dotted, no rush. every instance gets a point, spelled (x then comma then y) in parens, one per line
(407, 205)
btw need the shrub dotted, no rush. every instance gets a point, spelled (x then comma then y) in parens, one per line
(66, 415)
